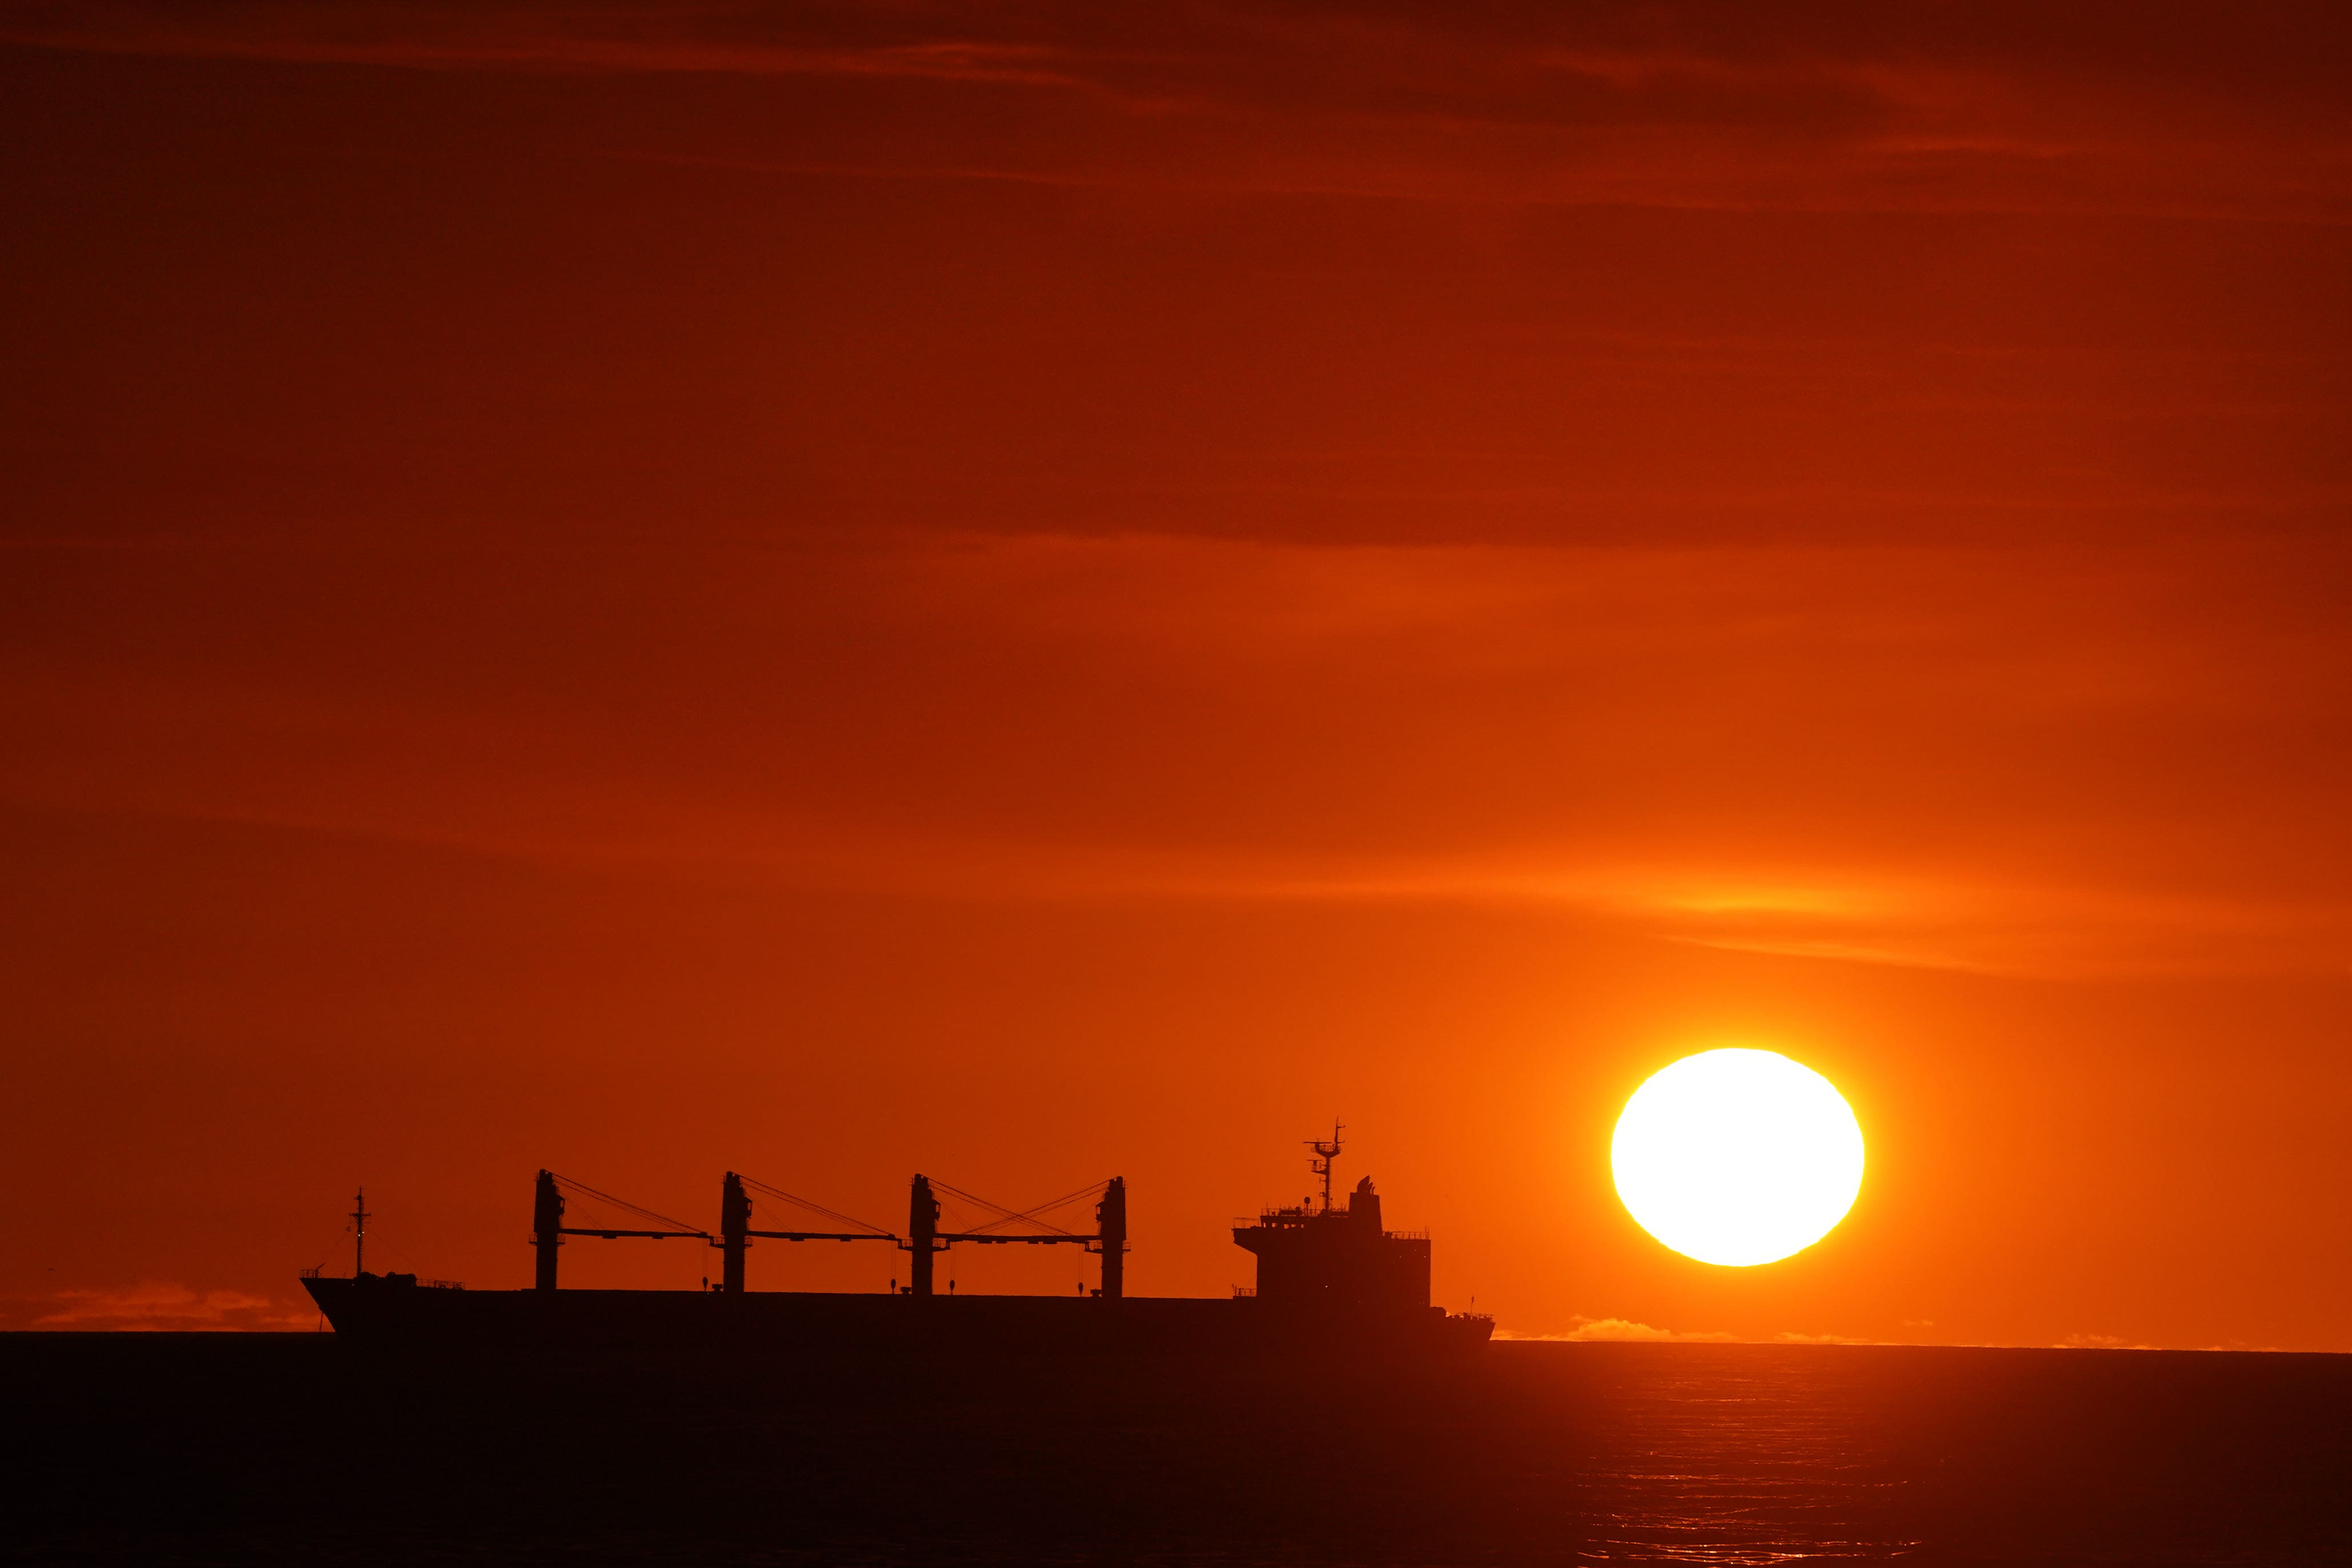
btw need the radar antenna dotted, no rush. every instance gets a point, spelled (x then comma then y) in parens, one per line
(1327, 1150)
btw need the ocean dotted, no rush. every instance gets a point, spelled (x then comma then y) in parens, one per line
(298, 1449)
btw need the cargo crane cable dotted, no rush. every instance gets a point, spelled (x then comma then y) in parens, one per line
(1015, 1217)
(1035, 1216)
(1024, 1217)
(814, 1208)
(678, 1227)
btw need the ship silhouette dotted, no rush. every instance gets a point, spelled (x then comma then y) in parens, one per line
(1331, 1280)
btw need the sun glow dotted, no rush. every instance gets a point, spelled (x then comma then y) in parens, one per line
(1738, 1157)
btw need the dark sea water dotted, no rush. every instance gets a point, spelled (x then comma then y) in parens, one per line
(294, 1449)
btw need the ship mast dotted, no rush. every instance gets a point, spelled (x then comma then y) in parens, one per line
(1326, 1151)
(360, 1217)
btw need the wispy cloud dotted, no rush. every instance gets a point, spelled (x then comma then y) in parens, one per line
(1567, 733)
(1604, 105)
(609, 39)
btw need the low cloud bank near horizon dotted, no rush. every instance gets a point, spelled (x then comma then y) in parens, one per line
(160, 1306)
(1623, 1331)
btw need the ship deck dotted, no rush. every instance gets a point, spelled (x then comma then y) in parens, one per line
(805, 1324)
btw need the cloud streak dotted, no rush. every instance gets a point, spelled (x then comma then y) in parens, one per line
(1621, 106)
(662, 40)
(1575, 734)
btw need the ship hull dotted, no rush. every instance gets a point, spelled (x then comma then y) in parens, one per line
(812, 1326)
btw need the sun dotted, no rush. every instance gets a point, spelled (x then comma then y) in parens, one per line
(1738, 1157)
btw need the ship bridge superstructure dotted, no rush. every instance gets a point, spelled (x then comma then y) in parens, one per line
(1337, 1259)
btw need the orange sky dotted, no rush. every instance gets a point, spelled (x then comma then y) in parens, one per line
(1039, 593)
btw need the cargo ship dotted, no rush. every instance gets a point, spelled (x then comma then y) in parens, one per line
(1331, 1279)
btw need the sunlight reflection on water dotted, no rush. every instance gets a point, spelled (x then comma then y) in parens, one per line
(1757, 1467)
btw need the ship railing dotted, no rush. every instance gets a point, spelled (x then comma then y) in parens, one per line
(1294, 1216)
(422, 1284)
